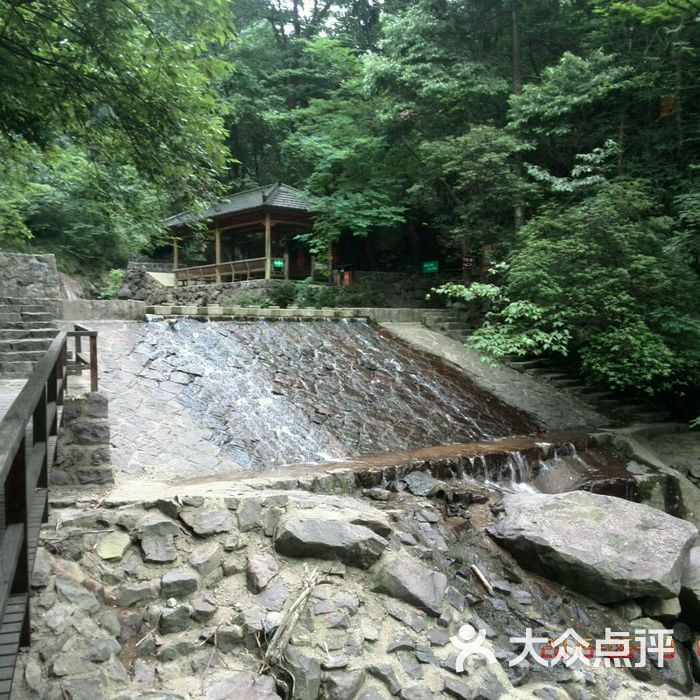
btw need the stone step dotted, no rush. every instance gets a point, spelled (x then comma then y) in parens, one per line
(452, 325)
(25, 355)
(522, 365)
(38, 316)
(28, 325)
(22, 333)
(22, 308)
(9, 317)
(25, 344)
(15, 368)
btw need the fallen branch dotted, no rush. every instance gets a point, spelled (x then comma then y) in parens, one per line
(283, 633)
(482, 579)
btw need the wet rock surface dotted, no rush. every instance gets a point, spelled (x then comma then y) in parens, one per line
(606, 547)
(193, 398)
(133, 628)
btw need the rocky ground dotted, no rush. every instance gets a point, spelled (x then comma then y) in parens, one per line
(271, 593)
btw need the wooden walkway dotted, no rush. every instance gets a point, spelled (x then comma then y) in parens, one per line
(15, 615)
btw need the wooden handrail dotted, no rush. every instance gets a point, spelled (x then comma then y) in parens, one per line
(215, 271)
(26, 455)
(79, 332)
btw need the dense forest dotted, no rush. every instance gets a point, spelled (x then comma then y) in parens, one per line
(560, 139)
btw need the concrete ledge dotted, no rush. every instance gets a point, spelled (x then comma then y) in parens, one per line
(380, 315)
(101, 309)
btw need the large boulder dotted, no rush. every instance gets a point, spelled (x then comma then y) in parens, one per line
(690, 588)
(606, 547)
(328, 534)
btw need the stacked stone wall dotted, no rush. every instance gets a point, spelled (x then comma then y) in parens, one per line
(83, 455)
(28, 276)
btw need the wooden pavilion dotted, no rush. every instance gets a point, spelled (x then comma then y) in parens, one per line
(252, 234)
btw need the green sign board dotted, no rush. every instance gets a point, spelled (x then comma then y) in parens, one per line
(430, 267)
(278, 263)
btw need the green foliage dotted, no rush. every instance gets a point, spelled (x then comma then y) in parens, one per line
(599, 281)
(112, 284)
(283, 295)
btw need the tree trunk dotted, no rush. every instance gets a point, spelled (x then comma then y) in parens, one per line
(518, 210)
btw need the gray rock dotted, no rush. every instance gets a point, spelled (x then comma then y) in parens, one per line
(175, 619)
(249, 514)
(274, 596)
(326, 535)
(690, 587)
(42, 569)
(438, 637)
(132, 593)
(242, 685)
(306, 672)
(69, 663)
(156, 524)
(207, 559)
(665, 611)
(386, 675)
(77, 595)
(178, 584)
(421, 483)
(260, 570)
(111, 546)
(636, 551)
(401, 642)
(203, 608)
(415, 692)
(206, 522)
(233, 564)
(176, 649)
(343, 685)
(228, 637)
(85, 687)
(411, 666)
(334, 663)
(159, 549)
(99, 650)
(33, 677)
(270, 519)
(405, 578)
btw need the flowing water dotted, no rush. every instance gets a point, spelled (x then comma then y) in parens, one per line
(289, 392)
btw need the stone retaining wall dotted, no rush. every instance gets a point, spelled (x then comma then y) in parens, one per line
(28, 276)
(102, 309)
(377, 314)
(83, 455)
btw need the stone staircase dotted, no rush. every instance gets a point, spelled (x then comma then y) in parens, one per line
(449, 322)
(622, 408)
(27, 327)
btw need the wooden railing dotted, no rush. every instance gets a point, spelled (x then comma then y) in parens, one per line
(80, 362)
(223, 272)
(28, 435)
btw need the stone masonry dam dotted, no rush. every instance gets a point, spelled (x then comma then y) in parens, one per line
(190, 398)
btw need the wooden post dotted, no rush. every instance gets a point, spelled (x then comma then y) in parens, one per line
(286, 264)
(217, 254)
(176, 261)
(268, 247)
(93, 362)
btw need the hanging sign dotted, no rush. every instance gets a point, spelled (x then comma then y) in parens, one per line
(278, 263)
(469, 262)
(430, 267)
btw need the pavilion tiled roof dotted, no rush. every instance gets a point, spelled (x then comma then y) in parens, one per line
(278, 196)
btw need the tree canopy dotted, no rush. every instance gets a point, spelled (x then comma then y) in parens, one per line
(557, 140)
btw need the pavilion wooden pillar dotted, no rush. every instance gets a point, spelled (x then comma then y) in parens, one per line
(217, 254)
(176, 257)
(268, 247)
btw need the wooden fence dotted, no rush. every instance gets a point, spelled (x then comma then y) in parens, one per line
(28, 435)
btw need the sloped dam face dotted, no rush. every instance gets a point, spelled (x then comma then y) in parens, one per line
(268, 394)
